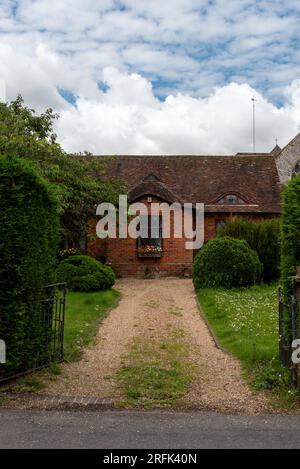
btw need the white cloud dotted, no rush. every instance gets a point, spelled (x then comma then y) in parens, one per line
(162, 41)
(2, 91)
(196, 54)
(128, 119)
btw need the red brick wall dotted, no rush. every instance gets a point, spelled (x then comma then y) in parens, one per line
(176, 260)
(95, 247)
(122, 255)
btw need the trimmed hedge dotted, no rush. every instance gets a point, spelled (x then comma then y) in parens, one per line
(290, 246)
(28, 241)
(83, 273)
(263, 237)
(226, 262)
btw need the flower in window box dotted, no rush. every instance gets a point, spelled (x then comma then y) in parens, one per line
(149, 249)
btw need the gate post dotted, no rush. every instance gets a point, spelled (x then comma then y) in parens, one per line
(295, 311)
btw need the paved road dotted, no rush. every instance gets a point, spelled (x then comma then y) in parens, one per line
(157, 430)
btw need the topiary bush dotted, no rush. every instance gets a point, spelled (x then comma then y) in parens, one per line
(226, 262)
(263, 237)
(28, 244)
(83, 273)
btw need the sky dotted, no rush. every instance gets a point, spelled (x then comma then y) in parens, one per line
(154, 76)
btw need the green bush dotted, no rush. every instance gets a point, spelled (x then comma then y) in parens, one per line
(290, 246)
(263, 237)
(28, 244)
(83, 273)
(226, 262)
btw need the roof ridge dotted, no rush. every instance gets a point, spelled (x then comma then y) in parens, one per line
(238, 155)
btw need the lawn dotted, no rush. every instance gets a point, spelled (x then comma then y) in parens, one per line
(245, 321)
(84, 312)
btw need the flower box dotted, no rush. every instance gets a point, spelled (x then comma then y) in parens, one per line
(155, 255)
(149, 251)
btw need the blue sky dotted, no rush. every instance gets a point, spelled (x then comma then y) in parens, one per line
(134, 60)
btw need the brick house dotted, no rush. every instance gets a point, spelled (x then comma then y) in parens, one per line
(244, 185)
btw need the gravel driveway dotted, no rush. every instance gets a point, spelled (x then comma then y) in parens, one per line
(147, 308)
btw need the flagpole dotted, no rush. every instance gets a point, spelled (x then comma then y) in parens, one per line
(254, 125)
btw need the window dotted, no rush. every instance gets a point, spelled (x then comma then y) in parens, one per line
(231, 199)
(149, 244)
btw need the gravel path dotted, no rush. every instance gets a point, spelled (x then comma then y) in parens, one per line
(149, 307)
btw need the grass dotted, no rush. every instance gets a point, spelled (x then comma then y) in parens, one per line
(31, 383)
(84, 313)
(156, 372)
(245, 322)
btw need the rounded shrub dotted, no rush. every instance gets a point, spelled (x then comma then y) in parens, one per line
(83, 273)
(263, 237)
(226, 262)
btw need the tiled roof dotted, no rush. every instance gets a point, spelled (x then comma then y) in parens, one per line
(204, 179)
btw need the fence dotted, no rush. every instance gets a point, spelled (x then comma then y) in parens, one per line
(53, 307)
(52, 316)
(285, 345)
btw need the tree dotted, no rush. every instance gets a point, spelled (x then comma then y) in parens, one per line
(79, 180)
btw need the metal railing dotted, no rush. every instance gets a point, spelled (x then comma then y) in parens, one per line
(289, 308)
(52, 316)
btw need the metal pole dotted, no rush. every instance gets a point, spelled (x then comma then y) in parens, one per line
(254, 126)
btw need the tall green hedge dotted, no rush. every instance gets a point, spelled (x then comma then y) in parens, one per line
(290, 244)
(28, 243)
(263, 237)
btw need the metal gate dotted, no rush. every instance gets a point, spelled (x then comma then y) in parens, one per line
(52, 319)
(285, 347)
(53, 312)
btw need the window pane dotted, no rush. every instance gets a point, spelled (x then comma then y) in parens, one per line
(151, 231)
(144, 226)
(155, 223)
